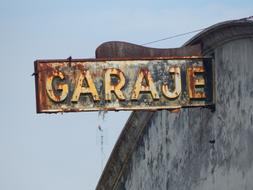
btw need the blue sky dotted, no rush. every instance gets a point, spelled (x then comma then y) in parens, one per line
(62, 151)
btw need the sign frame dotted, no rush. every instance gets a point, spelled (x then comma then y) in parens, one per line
(40, 100)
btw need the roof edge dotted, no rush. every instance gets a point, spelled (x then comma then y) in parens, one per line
(123, 149)
(221, 33)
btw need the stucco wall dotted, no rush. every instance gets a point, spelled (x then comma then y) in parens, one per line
(196, 148)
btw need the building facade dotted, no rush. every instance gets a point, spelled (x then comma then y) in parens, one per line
(207, 148)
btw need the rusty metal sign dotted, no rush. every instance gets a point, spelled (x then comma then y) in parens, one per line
(74, 85)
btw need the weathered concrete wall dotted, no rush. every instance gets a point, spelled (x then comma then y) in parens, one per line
(197, 149)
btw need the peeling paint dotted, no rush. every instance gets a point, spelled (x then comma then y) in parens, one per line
(93, 85)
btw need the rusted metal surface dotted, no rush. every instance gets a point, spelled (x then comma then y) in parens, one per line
(193, 81)
(123, 84)
(117, 49)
